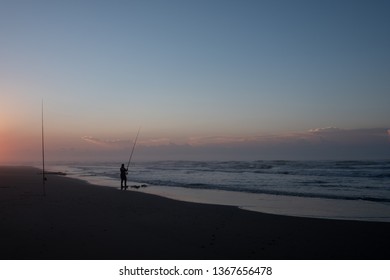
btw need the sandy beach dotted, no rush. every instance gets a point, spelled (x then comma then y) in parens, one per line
(76, 220)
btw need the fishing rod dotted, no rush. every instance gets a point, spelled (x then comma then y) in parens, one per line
(43, 158)
(132, 150)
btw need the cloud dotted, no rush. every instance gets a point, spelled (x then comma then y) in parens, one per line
(155, 142)
(267, 139)
(351, 136)
(316, 143)
(325, 130)
(214, 140)
(105, 143)
(247, 140)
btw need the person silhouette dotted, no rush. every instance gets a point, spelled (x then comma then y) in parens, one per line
(123, 171)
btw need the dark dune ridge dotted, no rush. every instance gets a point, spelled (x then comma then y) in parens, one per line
(76, 220)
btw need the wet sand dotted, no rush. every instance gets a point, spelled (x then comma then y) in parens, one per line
(76, 220)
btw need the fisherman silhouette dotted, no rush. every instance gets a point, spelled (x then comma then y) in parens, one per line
(123, 177)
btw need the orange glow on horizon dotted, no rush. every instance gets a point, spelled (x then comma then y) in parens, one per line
(17, 144)
(4, 147)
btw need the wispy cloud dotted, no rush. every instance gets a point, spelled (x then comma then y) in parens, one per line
(316, 135)
(105, 142)
(153, 142)
(247, 139)
(316, 143)
(325, 129)
(373, 135)
(214, 140)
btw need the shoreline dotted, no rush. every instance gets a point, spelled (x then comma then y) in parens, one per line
(77, 220)
(294, 206)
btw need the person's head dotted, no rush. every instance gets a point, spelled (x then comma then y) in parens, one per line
(123, 165)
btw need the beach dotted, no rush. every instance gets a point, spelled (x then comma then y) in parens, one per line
(77, 220)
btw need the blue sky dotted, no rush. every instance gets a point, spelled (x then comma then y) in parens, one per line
(205, 79)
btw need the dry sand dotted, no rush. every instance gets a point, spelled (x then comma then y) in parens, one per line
(76, 220)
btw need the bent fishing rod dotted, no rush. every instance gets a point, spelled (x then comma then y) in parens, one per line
(132, 150)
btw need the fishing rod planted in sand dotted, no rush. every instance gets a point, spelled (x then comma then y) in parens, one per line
(43, 158)
(132, 150)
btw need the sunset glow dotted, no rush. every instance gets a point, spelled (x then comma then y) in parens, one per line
(211, 80)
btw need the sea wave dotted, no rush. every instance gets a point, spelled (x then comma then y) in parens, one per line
(346, 180)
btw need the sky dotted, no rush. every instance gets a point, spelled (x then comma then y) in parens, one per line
(204, 80)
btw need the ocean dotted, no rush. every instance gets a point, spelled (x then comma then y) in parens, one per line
(324, 189)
